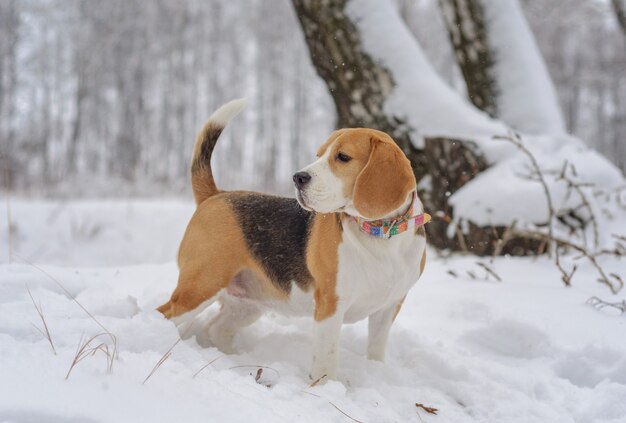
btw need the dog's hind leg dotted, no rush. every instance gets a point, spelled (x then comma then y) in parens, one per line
(198, 287)
(235, 313)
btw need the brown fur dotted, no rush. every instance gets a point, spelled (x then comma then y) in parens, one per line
(211, 253)
(202, 181)
(323, 262)
(379, 176)
(385, 181)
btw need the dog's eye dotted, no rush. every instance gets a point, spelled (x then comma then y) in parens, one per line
(343, 157)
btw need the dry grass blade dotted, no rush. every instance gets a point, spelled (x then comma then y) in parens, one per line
(317, 381)
(46, 331)
(344, 413)
(162, 360)
(206, 365)
(335, 406)
(430, 410)
(168, 353)
(112, 337)
(86, 349)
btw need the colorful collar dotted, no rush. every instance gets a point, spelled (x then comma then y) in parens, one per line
(386, 228)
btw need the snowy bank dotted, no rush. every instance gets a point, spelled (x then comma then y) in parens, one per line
(521, 350)
(503, 194)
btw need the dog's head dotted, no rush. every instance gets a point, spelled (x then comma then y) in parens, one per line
(359, 171)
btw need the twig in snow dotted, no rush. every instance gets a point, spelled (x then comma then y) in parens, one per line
(45, 332)
(259, 368)
(259, 372)
(600, 304)
(516, 140)
(614, 282)
(615, 287)
(430, 410)
(489, 271)
(577, 186)
(461, 239)
(506, 237)
(317, 381)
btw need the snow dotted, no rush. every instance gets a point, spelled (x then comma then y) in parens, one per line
(420, 96)
(502, 194)
(522, 350)
(527, 99)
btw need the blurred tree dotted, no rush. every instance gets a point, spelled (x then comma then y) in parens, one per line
(620, 13)
(465, 21)
(9, 38)
(504, 72)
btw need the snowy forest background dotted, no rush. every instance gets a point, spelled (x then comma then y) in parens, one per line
(498, 104)
(105, 98)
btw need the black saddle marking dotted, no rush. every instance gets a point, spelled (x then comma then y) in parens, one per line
(276, 230)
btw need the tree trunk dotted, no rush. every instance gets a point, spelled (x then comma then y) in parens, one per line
(503, 69)
(464, 20)
(359, 87)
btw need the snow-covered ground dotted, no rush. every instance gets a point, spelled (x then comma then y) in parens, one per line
(525, 349)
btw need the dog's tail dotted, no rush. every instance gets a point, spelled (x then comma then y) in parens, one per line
(202, 181)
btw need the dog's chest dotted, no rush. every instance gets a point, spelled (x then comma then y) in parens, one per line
(376, 273)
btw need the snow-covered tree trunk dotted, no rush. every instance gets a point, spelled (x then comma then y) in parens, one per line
(464, 20)
(502, 66)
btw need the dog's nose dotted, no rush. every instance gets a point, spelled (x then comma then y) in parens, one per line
(301, 179)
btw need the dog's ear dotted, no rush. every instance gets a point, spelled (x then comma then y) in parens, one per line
(385, 181)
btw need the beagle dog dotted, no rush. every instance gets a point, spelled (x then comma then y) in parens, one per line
(349, 248)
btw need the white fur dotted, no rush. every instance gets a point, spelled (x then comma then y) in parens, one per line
(324, 193)
(224, 114)
(374, 276)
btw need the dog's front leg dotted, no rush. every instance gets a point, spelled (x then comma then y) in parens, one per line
(325, 346)
(379, 325)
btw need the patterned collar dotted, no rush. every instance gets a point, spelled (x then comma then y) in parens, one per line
(386, 228)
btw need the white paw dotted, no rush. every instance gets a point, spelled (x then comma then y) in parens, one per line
(322, 371)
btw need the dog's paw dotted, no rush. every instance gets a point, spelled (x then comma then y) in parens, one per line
(322, 372)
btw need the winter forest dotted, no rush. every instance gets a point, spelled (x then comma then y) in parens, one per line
(96, 100)
(512, 114)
